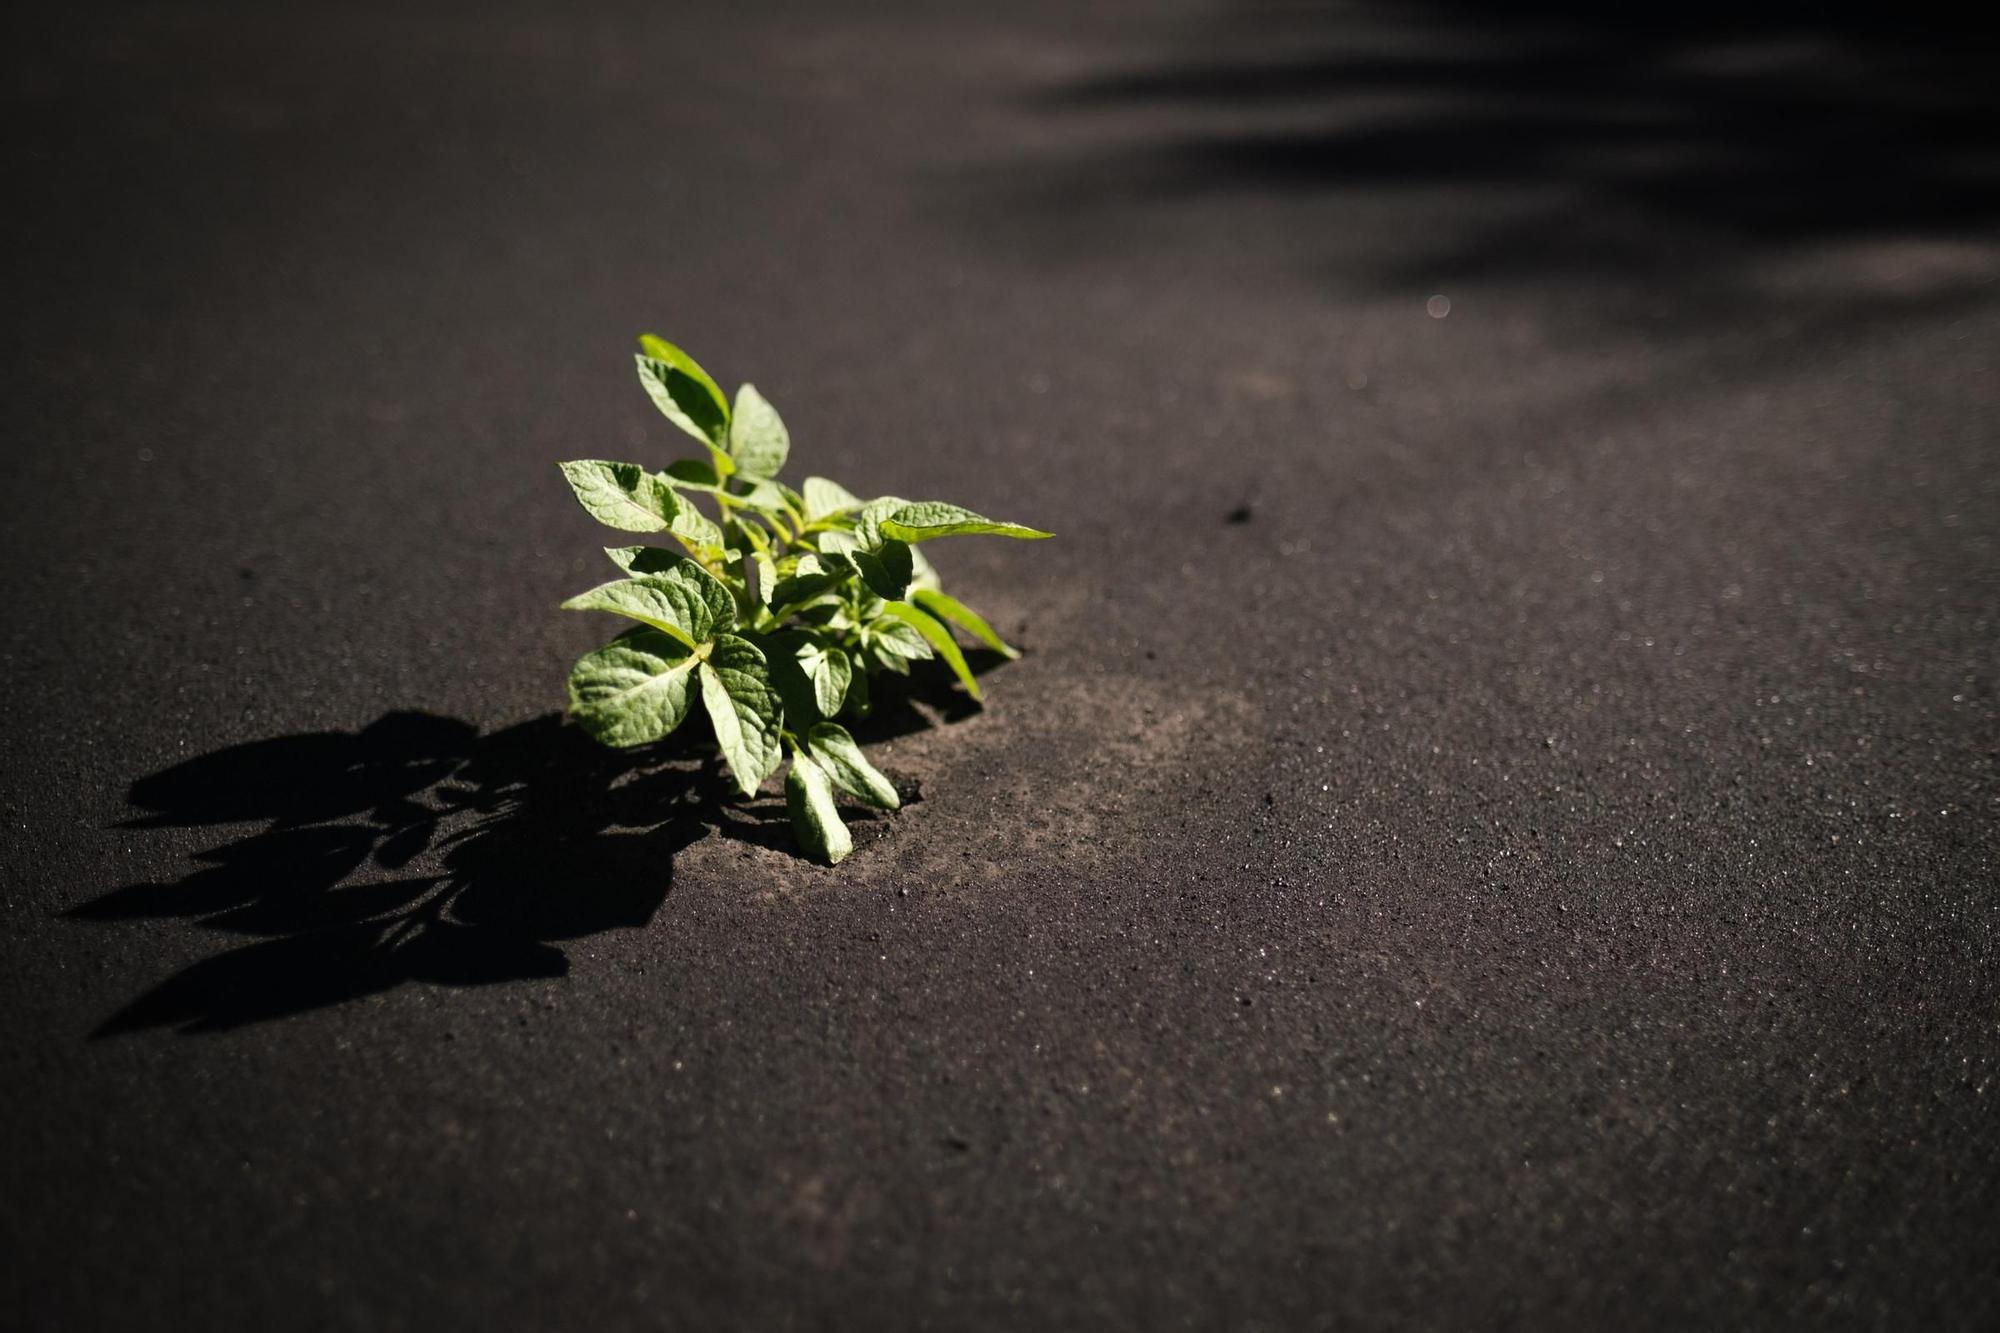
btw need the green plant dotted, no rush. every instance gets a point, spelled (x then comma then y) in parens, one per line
(776, 610)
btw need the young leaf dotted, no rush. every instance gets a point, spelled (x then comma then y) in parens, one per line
(758, 440)
(826, 498)
(633, 689)
(811, 677)
(939, 638)
(887, 571)
(836, 542)
(746, 532)
(682, 390)
(685, 600)
(895, 640)
(932, 518)
(622, 495)
(698, 532)
(788, 677)
(767, 576)
(830, 673)
(765, 496)
(803, 586)
(744, 709)
(837, 753)
(878, 660)
(868, 520)
(815, 821)
(958, 613)
(636, 560)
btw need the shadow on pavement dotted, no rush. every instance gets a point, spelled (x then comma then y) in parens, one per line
(538, 835)
(1757, 124)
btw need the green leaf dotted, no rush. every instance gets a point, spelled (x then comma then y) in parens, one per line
(644, 559)
(881, 661)
(622, 495)
(843, 761)
(939, 638)
(815, 821)
(766, 497)
(837, 542)
(694, 475)
(886, 572)
(682, 390)
(895, 640)
(811, 676)
(831, 673)
(698, 533)
(826, 498)
(746, 532)
(958, 613)
(758, 440)
(794, 592)
(745, 710)
(788, 677)
(868, 519)
(684, 600)
(932, 518)
(632, 690)
(767, 576)
(858, 702)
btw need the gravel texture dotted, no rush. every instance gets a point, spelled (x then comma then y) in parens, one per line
(1495, 826)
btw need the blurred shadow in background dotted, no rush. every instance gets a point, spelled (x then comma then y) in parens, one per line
(1608, 138)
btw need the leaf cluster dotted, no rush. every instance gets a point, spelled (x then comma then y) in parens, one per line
(774, 606)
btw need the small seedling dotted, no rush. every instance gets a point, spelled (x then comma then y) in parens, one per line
(776, 610)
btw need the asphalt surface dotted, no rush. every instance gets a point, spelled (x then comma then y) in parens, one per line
(1495, 827)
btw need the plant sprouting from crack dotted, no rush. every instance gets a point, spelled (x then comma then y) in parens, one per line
(775, 611)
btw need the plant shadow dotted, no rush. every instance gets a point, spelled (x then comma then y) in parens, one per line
(528, 836)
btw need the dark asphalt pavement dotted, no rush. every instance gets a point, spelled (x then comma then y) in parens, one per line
(1495, 827)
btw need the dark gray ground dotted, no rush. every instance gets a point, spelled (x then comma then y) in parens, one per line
(1535, 867)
